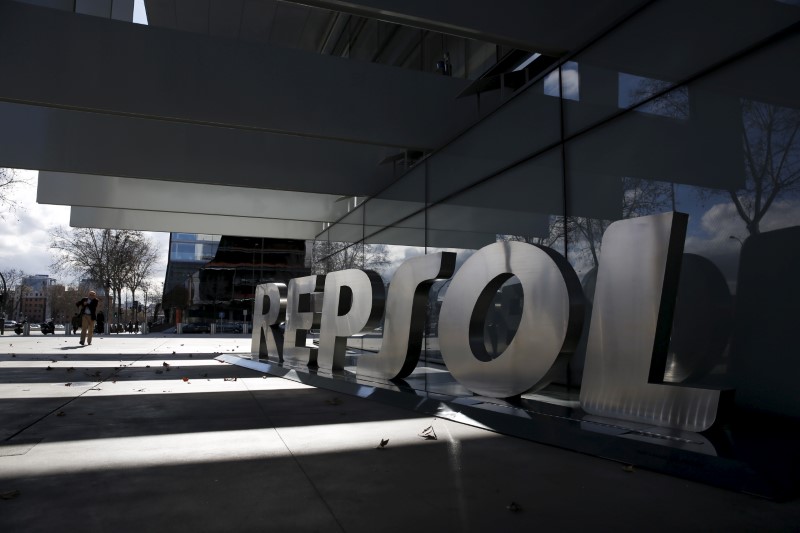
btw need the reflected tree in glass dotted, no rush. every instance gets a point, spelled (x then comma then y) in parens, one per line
(772, 160)
(554, 238)
(640, 197)
(331, 256)
(771, 147)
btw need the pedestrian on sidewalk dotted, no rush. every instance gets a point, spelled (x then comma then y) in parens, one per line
(87, 308)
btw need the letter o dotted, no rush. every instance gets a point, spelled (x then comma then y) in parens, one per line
(552, 318)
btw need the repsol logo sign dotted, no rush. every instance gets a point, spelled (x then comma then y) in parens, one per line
(628, 335)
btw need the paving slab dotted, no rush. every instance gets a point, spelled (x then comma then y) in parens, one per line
(144, 439)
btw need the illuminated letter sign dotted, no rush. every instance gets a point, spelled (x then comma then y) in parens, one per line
(353, 302)
(628, 336)
(301, 316)
(404, 324)
(269, 312)
(632, 319)
(552, 316)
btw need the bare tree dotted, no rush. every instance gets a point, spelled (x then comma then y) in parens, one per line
(770, 142)
(584, 235)
(332, 256)
(152, 298)
(640, 197)
(9, 179)
(555, 234)
(62, 301)
(771, 160)
(13, 278)
(144, 256)
(109, 257)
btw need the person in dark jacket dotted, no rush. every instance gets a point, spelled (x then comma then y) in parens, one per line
(87, 308)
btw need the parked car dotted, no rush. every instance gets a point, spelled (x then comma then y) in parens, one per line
(228, 327)
(196, 327)
(9, 324)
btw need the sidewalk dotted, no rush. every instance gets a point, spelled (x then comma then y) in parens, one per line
(151, 433)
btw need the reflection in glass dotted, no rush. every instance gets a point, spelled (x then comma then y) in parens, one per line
(636, 89)
(570, 82)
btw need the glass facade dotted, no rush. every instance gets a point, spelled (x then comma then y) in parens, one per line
(682, 107)
(187, 253)
(221, 290)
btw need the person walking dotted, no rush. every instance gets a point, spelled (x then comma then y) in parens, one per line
(88, 311)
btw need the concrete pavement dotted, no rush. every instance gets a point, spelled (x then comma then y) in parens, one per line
(152, 433)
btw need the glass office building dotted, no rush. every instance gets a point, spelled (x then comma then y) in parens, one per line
(680, 107)
(644, 154)
(187, 253)
(223, 288)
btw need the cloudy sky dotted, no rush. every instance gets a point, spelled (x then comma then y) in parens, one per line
(24, 233)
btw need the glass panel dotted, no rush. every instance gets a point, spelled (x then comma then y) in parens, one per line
(402, 199)
(528, 123)
(733, 165)
(570, 82)
(410, 232)
(518, 202)
(664, 44)
(525, 203)
(348, 229)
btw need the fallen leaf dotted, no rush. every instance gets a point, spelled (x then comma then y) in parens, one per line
(513, 507)
(9, 494)
(628, 468)
(67, 384)
(382, 444)
(428, 433)
(61, 413)
(185, 379)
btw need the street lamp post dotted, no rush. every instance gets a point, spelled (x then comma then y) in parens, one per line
(109, 314)
(3, 295)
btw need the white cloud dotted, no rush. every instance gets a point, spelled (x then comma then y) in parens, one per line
(725, 231)
(570, 81)
(139, 12)
(25, 235)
